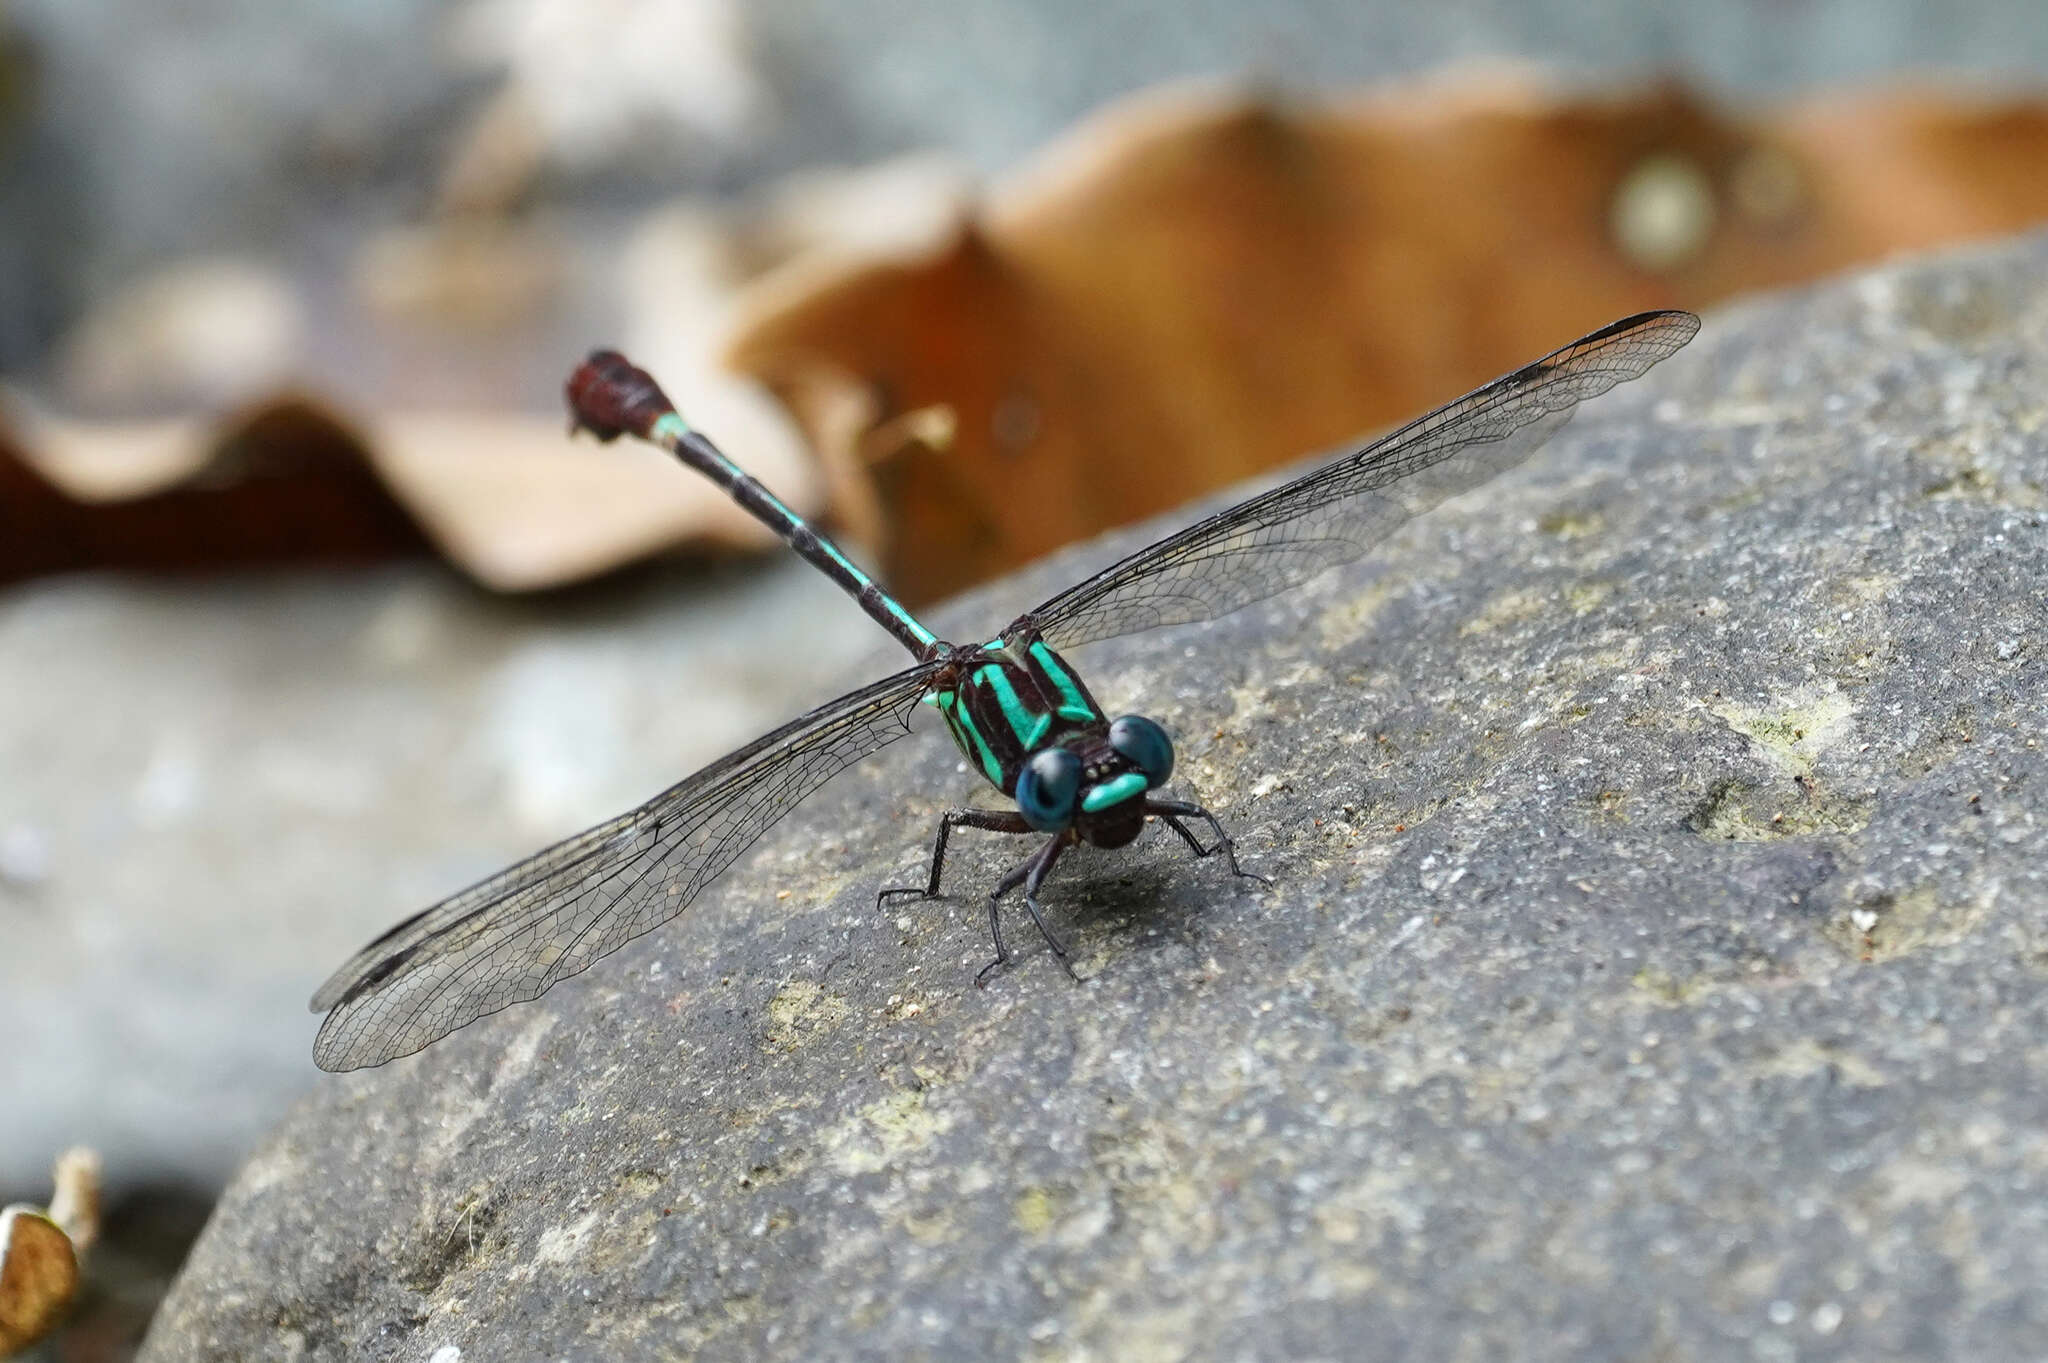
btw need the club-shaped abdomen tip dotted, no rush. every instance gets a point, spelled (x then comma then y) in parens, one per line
(610, 396)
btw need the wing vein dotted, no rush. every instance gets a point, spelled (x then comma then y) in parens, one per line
(514, 935)
(1289, 534)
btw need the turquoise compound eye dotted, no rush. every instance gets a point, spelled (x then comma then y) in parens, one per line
(1046, 789)
(1146, 746)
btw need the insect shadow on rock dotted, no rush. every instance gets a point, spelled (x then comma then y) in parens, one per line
(1019, 712)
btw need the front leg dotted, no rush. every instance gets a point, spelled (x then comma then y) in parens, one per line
(989, 820)
(1031, 874)
(1173, 811)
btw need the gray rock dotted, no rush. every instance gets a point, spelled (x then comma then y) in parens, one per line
(1657, 965)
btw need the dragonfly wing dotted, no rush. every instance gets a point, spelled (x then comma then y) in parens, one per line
(511, 937)
(1283, 537)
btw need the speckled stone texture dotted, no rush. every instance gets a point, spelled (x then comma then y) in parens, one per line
(1657, 966)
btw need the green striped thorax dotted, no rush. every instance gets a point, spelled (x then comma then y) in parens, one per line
(1025, 721)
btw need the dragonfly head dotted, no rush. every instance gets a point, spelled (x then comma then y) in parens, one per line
(1096, 787)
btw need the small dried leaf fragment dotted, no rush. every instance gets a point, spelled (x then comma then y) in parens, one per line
(38, 1277)
(41, 1253)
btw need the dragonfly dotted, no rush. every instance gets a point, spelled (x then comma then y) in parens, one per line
(1019, 713)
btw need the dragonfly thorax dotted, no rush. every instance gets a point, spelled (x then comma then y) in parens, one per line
(1025, 721)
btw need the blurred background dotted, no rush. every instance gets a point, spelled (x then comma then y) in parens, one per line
(310, 614)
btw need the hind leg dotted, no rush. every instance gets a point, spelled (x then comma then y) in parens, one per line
(990, 820)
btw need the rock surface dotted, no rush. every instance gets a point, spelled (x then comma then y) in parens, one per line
(1657, 965)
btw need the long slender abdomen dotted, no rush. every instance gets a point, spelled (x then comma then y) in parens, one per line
(610, 396)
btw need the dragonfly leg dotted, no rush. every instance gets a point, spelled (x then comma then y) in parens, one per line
(1173, 811)
(995, 930)
(1031, 874)
(991, 820)
(1041, 867)
(1010, 881)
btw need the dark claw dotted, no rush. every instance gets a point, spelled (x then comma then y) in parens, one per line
(908, 891)
(1059, 948)
(1229, 850)
(981, 977)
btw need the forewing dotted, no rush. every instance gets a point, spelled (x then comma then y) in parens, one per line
(511, 937)
(1286, 536)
